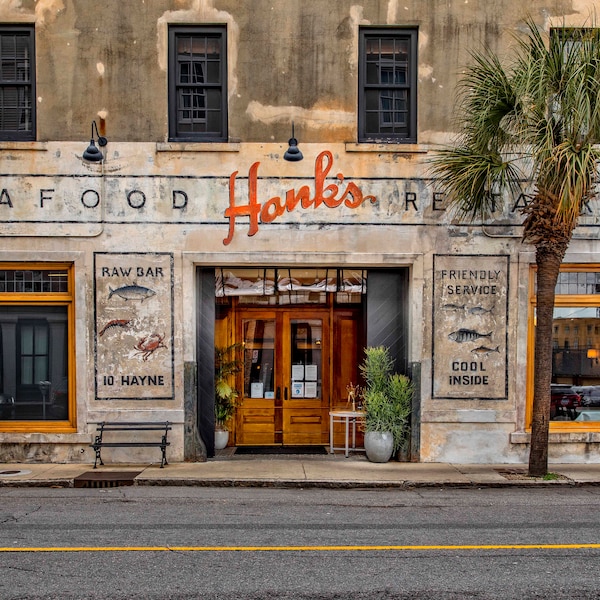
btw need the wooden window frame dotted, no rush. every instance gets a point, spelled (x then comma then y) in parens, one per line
(409, 86)
(176, 87)
(25, 86)
(45, 299)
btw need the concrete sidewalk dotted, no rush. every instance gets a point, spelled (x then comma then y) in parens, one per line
(302, 471)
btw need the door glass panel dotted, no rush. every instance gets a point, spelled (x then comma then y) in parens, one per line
(306, 350)
(259, 358)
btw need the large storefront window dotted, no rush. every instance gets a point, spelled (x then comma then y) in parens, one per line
(36, 348)
(575, 390)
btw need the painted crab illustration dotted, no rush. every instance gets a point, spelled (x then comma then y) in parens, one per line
(149, 344)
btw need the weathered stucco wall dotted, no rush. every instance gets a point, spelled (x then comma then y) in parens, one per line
(287, 61)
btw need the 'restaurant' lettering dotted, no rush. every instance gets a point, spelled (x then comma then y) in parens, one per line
(331, 196)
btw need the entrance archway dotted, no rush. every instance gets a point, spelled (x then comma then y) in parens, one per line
(303, 332)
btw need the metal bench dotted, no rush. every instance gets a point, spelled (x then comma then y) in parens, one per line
(160, 426)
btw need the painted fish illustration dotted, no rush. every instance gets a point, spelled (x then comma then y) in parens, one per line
(479, 310)
(484, 350)
(132, 292)
(467, 335)
(453, 307)
(114, 323)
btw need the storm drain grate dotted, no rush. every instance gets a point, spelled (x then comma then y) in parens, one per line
(105, 479)
(511, 471)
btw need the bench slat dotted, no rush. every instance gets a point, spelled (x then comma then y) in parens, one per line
(132, 444)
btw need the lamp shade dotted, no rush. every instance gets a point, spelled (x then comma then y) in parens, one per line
(293, 152)
(92, 153)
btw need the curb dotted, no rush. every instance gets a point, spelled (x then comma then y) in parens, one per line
(309, 484)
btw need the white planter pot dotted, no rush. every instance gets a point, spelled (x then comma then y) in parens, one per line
(221, 438)
(379, 446)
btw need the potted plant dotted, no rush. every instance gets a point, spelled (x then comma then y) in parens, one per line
(226, 366)
(387, 399)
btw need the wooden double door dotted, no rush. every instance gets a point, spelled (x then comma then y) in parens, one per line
(285, 377)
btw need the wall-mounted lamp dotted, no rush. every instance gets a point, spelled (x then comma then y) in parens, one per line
(92, 153)
(293, 153)
(592, 354)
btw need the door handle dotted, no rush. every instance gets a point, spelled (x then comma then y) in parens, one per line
(285, 393)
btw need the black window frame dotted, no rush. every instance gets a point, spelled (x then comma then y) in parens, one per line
(176, 87)
(26, 86)
(409, 87)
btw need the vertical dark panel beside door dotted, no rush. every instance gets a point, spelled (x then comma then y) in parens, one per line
(205, 351)
(387, 313)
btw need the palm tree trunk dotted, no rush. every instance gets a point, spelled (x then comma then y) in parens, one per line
(548, 259)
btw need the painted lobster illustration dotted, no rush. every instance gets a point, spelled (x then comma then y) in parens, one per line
(114, 323)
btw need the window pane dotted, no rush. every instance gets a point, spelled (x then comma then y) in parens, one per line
(386, 112)
(578, 283)
(198, 73)
(199, 64)
(34, 362)
(16, 91)
(259, 358)
(34, 281)
(26, 370)
(213, 72)
(184, 73)
(41, 340)
(575, 364)
(40, 372)
(387, 48)
(184, 45)
(388, 74)
(306, 356)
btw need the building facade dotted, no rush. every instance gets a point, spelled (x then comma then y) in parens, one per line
(177, 175)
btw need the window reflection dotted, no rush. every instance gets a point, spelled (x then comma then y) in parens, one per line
(259, 358)
(33, 363)
(306, 350)
(575, 364)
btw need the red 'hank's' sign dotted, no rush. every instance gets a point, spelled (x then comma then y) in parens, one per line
(331, 196)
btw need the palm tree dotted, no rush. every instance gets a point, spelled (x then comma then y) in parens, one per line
(537, 119)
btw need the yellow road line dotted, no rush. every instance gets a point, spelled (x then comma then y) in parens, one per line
(299, 548)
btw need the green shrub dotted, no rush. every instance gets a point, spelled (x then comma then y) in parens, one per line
(226, 366)
(387, 396)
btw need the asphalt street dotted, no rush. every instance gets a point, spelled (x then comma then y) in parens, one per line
(178, 542)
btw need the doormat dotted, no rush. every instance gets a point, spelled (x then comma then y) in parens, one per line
(105, 479)
(280, 450)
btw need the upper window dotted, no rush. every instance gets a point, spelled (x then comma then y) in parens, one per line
(197, 84)
(17, 79)
(387, 106)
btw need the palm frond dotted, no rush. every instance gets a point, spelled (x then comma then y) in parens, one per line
(471, 179)
(537, 115)
(486, 101)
